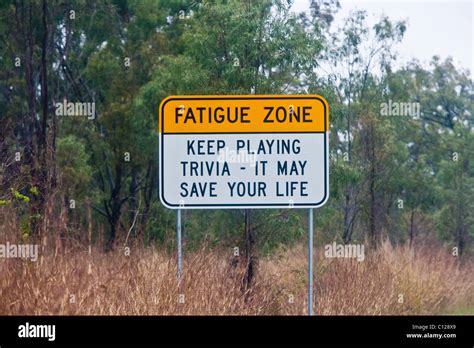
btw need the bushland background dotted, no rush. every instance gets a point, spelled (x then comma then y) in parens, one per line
(85, 190)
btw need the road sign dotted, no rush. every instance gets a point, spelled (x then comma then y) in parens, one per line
(249, 151)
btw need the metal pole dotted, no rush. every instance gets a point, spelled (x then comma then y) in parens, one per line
(310, 262)
(178, 237)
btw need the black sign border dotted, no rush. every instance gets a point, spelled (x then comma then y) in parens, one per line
(241, 206)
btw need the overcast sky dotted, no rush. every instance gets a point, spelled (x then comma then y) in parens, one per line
(435, 27)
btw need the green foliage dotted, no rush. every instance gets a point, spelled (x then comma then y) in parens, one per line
(20, 197)
(72, 159)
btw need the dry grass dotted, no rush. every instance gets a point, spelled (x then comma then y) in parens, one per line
(144, 283)
(390, 281)
(116, 284)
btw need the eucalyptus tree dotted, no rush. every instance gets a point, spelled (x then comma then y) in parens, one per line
(350, 71)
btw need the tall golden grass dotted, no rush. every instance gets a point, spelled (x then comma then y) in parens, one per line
(389, 281)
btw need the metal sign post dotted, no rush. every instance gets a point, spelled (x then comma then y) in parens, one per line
(310, 262)
(178, 238)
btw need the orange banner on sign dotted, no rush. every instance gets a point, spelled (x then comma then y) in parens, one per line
(243, 114)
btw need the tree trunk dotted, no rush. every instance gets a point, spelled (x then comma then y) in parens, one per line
(115, 204)
(251, 259)
(349, 205)
(374, 234)
(372, 229)
(133, 201)
(349, 217)
(113, 223)
(411, 227)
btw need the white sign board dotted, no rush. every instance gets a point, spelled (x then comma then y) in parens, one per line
(254, 151)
